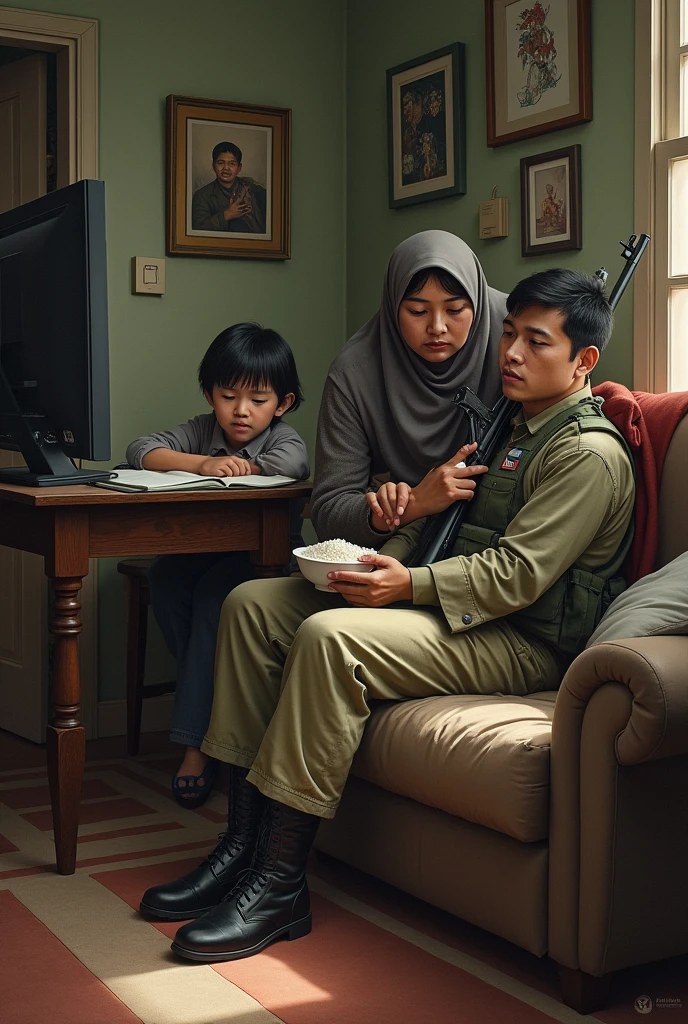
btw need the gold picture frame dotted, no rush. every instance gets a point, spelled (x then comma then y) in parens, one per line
(228, 179)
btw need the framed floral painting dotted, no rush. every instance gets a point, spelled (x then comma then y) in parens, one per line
(426, 127)
(551, 202)
(538, 67)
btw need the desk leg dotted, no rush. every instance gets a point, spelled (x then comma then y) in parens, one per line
(65, 737)
(274, 551)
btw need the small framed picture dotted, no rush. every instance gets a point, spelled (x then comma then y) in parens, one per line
(228, 179)
(551, 202)
(426, 127)
(538, 67)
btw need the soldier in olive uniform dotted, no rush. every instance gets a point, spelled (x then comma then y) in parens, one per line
(535, 564)
(231, 202)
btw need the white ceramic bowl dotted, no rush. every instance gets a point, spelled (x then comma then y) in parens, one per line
(316, 570)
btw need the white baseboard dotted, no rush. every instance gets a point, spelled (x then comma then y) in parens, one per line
(156, 715)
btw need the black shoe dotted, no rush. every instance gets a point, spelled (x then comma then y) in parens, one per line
(208, 884)
(269, 902)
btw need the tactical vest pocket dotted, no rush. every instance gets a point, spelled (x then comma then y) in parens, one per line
(471, 540)
(583, 609)
(493, 502)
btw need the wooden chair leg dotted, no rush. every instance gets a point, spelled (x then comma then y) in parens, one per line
(137, 629)
(583, 992)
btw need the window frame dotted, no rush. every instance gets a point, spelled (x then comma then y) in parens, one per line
(657, 142)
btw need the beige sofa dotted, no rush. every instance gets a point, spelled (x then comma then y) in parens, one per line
(558, 821)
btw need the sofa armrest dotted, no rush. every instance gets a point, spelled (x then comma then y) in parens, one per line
(655, 670)
(619, 775)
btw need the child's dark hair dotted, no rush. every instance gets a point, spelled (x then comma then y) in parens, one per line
(443, 278)
(254, 356)
(589, 318)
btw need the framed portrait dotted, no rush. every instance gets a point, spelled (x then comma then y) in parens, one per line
(426, 127)
(551, 202)
(228, 179)
(538, 67)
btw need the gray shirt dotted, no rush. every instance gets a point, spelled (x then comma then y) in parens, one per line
(279, 451)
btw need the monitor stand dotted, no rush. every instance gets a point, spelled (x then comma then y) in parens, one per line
(46, 463)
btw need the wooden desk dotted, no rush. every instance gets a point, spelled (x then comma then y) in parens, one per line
(69, 525)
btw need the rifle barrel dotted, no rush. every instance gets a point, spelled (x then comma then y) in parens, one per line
(628, 271)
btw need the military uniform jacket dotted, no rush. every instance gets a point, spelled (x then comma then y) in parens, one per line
(578, 495)
(210, 202)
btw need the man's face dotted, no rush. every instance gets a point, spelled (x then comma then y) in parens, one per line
(226, 168)
(535, 359)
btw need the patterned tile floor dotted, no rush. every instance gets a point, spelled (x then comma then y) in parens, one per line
(80, 954)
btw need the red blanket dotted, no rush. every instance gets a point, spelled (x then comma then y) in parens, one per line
(648, 423)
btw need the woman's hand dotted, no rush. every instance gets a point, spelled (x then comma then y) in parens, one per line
(442, 486)
(389, 581)
(388, 504)
(225, 465)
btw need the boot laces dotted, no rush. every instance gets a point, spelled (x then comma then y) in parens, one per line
(228, 846)
(242, 809)
(257, 877)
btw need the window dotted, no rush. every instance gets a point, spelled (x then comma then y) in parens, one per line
(661, 307)
(671, 190)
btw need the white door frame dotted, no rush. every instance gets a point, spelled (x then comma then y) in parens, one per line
(75, 40)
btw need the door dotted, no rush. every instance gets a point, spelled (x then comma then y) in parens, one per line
(23, 595)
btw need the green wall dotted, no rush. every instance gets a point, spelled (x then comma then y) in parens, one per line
(327, 62)
(273, 53)
(389, 32)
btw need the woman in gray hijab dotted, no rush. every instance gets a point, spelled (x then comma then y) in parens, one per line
(387, 402)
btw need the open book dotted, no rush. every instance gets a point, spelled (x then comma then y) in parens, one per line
(177, 480)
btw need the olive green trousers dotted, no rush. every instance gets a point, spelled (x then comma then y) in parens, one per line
(296, 669)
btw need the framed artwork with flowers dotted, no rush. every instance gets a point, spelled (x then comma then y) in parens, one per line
(538, 67)
(426, 127)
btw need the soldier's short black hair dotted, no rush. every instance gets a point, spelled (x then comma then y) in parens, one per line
(589, 319)
(253, 356)
(227, 147)
(443, 278)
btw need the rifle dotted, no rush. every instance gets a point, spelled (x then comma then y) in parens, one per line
(489, 428)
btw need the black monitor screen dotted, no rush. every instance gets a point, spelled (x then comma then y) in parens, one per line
(53, 322)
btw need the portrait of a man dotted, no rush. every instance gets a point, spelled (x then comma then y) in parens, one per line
(231, 201)
(228, 179)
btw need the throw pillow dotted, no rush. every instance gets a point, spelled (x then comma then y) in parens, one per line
(656, 604)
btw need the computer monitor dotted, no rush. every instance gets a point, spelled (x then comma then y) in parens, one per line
(54, 381)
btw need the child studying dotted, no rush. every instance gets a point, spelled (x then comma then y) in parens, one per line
(249, 379)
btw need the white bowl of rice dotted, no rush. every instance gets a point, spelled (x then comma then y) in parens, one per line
(317, 560)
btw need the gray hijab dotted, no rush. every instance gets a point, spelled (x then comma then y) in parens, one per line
(413, 418)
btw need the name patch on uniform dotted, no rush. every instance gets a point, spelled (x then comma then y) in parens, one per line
(512, 458)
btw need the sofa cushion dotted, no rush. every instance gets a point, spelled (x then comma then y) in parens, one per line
(484, 759)
(655, 605)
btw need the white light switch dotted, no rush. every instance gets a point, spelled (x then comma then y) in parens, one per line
(148, 275)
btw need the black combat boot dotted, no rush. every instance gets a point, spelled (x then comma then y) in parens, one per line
(205, 886)
(268, 902)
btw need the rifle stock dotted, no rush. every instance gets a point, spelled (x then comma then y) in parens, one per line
(440, 532)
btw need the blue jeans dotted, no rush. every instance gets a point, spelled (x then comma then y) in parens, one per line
(187, 593)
